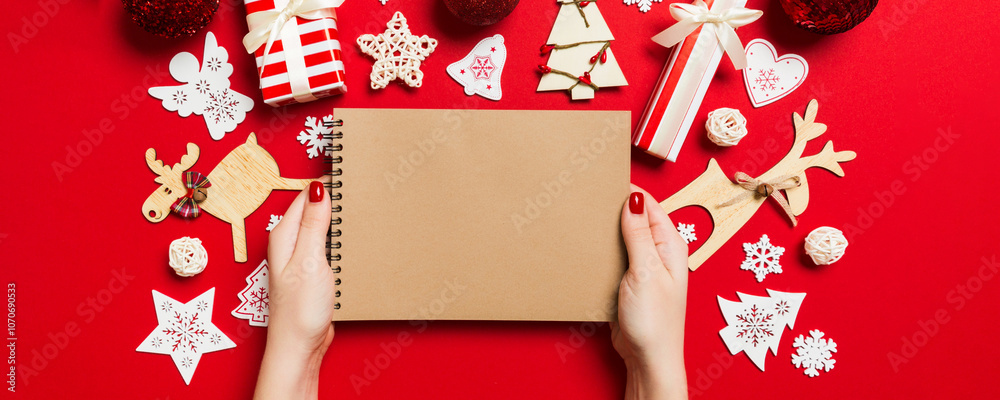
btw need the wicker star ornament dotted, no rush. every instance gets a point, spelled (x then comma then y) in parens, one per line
(397, 53)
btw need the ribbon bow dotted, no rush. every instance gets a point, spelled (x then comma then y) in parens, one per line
(765, 190)
(690, 16)
(197, 186)
(265, 26)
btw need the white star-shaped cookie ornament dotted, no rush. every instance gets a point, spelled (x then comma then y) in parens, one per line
(185, 331)
(397, 53)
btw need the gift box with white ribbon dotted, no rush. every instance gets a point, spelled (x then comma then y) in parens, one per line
(297, 47)
(703, 32)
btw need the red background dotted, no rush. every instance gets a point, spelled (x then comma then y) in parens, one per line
(886, 89)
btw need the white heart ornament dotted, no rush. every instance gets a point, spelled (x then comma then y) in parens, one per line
(768, 77)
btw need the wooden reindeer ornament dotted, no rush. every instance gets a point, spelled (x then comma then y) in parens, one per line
(232, 191)
(732, 204)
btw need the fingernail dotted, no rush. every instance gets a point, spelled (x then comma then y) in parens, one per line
(315, 191)
(635, 203)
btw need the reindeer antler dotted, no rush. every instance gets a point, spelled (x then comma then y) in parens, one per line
(162, 171)
(807, 129)
(156, 165)
(187, 160)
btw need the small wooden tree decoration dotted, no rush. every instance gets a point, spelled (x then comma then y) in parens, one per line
(732, 204)
(239, 184)
(581, 60)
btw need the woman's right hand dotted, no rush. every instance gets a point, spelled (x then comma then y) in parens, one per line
(652, 298)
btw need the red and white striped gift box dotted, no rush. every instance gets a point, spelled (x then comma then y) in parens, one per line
(679, 91)
(304, 63)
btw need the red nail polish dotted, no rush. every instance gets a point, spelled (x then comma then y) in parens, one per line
(635, 203)
(316, 191)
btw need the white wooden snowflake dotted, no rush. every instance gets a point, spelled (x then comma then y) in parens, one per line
(687, 232)
(315, 136)
(762, 258)
(814, 353)
(644, 5)
(275, 219)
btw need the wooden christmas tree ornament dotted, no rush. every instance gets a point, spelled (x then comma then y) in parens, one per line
(234, 189)
(731, 204)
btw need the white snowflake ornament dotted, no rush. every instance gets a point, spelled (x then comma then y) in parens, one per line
(255, 298)
(644, 5)
(479, 72)
(316, 136)
(687, 232)
(762, 258)
(273, 222)
(205, 90)
(185, 331)
(755, 323)
(814, 353)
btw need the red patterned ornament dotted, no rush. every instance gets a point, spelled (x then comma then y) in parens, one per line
(171, 18)
(481, 12)
(828, 16)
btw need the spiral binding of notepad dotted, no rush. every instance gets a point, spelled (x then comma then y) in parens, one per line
(334, 171)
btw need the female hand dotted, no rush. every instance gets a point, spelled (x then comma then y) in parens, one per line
(649, 333)
(302, 297)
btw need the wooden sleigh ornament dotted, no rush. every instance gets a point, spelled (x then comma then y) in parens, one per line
(731, 204)
(233, 190)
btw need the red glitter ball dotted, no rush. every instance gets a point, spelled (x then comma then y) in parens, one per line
(171, 18)
(481, 12)
(828, 16)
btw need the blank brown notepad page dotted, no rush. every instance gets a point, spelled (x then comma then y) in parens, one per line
(480, 214)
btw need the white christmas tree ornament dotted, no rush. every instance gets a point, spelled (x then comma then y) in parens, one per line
(255, 298)
(755, 323)
(581, 60)
(479, 72)
(185, 331)
(205, 90)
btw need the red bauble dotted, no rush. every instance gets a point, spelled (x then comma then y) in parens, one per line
(171, 18)
(480, 12)
(828, 16)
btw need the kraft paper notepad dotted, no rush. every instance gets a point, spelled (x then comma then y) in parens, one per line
(478, 214)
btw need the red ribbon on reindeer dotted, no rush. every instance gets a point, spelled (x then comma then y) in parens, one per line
(187, 205)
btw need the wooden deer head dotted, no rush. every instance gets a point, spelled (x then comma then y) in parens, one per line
(157, 205)
(239, 184)
(729, 204)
